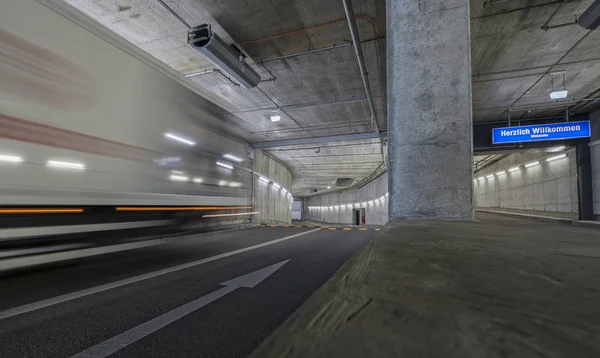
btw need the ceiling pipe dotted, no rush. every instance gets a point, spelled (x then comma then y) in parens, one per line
(361, 60)
(363, 71)
(545, 25)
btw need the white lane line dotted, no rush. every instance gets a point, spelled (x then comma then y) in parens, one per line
(93, 290)
(120, 341)
(25, 232)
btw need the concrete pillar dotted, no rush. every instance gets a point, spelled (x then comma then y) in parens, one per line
(429, 109)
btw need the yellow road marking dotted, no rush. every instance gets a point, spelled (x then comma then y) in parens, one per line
(347, 228)
(331, 228)
(378, 229)
(363, 229)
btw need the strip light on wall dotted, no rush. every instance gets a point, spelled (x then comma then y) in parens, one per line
(277, 186)
(180, 139)
(10, 158)
(501, 173)
(489, 176)
(180, 178)
(224, 165)
(514, 169)
(65, 165)
(224, 215)
(532, 164)
(263, 179)
(556, 157)
(233, 157)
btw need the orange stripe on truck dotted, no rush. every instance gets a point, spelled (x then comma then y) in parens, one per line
(41, 211)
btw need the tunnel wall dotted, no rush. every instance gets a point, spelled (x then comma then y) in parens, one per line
(595, 154)
(322, 208)
(67, 94)
(550, 187)
(274, 204)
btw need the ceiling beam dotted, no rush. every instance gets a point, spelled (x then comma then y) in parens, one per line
(335, 138)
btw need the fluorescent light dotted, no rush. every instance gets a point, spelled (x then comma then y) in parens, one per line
(67, 165)
(501, 173)
(284, 191)
(532, 164)
(176, 172)
(10, 158)
(277, 186)
(371, 202)
(480, 178)
(224, 165)
(336, 207)
(235, 214)
(489, 176)
(514, 169)
(382, 198)
(557, 149)
(198, 180)
(263, 179)
(364, 204)
(559, 94)
(222, 182)
(175, 177)
(235, 184)
(556, 157)
(328, 187)
(179, 139)
(387, 194)
(275, 118)
(233, 157)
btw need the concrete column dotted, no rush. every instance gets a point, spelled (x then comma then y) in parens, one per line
(429, 109)
(584, 181)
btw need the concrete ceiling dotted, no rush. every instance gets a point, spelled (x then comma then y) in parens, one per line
(321, 93)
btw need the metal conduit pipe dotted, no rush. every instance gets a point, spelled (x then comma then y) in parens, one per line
(361, 60)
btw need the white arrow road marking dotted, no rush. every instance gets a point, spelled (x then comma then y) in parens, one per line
(126, 338)
(109, 286)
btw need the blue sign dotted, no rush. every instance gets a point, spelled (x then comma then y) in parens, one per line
(541, 132)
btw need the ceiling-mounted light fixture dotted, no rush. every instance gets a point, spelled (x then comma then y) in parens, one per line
(559, 93)
(203, 39)
(557, 149)
(275, 118)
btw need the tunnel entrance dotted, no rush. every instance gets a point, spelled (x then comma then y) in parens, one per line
(358, 216)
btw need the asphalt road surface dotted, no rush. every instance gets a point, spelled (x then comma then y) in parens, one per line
(216, 295)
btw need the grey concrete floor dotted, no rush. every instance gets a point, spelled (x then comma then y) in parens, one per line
(228, 327)
(500, 287)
